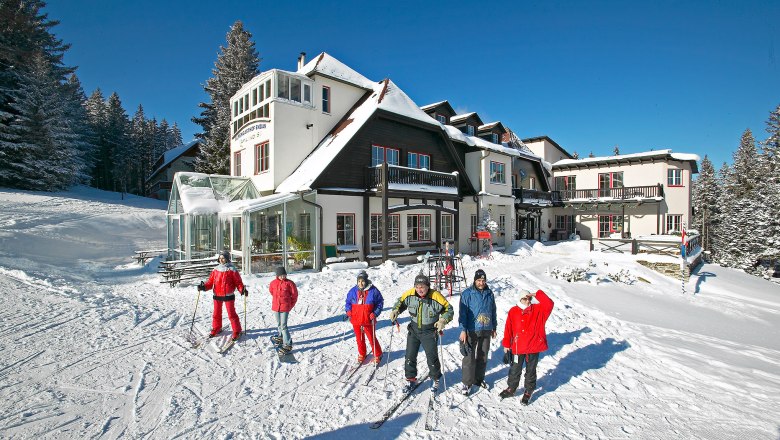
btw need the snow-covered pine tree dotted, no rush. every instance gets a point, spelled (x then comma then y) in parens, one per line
(77, 114)
(143, 142)
(97, 115)
(706, 209)
(45, 146)
(770, 185)
(174, 136)
(236, 64)
(121, 150)
(575, 155)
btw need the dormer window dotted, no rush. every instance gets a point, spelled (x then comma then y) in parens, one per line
(496, 138)
(441, 118)
(470, 130)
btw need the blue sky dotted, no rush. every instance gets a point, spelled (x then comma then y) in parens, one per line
(690, 76)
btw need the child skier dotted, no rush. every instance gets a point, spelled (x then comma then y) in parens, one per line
(364, 304)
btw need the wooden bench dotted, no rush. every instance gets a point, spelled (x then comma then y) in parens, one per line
(142, 256)
(175, 271)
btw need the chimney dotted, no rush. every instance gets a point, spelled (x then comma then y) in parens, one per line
(301, 60)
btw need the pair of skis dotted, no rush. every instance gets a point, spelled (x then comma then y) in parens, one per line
(199, 340)
(287, 358)
(405, 395)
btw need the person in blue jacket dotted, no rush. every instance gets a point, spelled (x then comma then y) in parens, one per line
(477, 322)
(364, 303)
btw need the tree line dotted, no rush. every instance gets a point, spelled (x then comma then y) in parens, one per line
(737, 208)
(51, 135)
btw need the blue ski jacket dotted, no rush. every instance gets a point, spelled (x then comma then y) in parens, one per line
(477, 310)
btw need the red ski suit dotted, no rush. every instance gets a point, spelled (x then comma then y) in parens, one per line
(225, 279)
(524, 330)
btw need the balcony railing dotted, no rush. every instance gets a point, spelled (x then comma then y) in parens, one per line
(535, 197)
(396, 175)
(625, 193)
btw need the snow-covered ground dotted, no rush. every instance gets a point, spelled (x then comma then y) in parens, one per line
(94, 346)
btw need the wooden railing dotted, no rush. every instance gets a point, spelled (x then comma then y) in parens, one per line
(625, 193)
(410, 176)
(535, 197)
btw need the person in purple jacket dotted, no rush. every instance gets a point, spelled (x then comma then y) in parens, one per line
(364, 303)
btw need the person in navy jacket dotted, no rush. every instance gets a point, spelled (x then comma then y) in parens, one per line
(364, 303)
(225, 280)
(477, 322)
(524, 339)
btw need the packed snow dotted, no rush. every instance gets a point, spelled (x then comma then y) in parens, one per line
(95, 346)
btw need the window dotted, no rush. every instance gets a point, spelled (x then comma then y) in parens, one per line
(419, 161)
(674, 178)
(295, 89)
(609, 181)
(470, 130)
(447, 229)
(304, 226)
(418, 227)
(673, 223)
(382, 154)
(237, 164)
(473, 224)
(307, 94)
(345, 229)
(610, 224)
(496, 139)
(497, 173)
(532, 183)
(566, 183)
(283, 87)
(262, 155)
(441, 118)
(501, 223)
(235, 108)
(325, 99)
(564, 223)
(393, 228)
(254, 97)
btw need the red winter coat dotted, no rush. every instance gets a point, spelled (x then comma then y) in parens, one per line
(225, 280)
(524, 330)
(285, 295)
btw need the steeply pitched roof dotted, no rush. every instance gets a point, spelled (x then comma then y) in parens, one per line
(548, 139)
(326, 65)
(173, 154)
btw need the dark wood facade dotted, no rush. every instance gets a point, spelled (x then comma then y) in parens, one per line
(443, 109)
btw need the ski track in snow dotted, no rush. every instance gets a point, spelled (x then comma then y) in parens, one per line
(96, 347)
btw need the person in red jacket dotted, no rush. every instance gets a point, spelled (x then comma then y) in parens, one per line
(225, 280)
(364, 303)
(524, 339)
(285, 295)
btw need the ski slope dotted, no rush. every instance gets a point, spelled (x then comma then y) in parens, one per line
(94, 346)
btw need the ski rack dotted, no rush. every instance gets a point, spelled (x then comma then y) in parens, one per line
(446, 272)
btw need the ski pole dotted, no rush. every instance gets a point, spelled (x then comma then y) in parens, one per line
(245, 295)
(441, 357)
(197, 299)
(389, 348)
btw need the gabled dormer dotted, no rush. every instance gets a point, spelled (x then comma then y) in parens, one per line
(493, 132)
(467, 123)
(441, 111)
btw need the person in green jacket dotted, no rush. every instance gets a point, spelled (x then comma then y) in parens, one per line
(430, 312)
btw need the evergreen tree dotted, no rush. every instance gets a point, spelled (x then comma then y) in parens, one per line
(97, 115)
(77, 115)
(120, 151)
(575, 155)
(143, 143)
(174, 138)
(769, 186)
(706, 199)
(236, 64)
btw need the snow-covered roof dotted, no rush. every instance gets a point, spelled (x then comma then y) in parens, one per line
(488, 126)
(252, 205)
(385, 96)
(326, 65)
(171, 155)
(430, 106)
(658, 154)
(462, 117)
(198, 193)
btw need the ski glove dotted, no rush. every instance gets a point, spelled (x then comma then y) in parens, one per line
(201, 287)
(394, 316)
(440, 324)
(245, 291)
(347, 316)
(508, 358)
(372, 317)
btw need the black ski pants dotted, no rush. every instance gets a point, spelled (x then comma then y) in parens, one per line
(428, 338)
(475, 364)
(516, 369)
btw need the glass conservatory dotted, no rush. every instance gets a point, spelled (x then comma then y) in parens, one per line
(207, 213)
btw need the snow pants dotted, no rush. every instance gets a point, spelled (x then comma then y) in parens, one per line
(474, 365)
(428, 338)
(368, 330)
(216, 321)
(530, 360)
(281, 323)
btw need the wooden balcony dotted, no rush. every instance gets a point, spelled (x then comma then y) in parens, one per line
(412, 180)
(628, 193)
(532, 197)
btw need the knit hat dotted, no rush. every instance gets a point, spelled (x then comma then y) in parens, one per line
(280, 271)
(523, 294)
(422, 279)
(362, 275)
(226, 255)
(480, 275)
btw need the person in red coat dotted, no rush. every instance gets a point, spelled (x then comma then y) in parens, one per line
(285, 295)
(225, 280)
(364, 303)
(524, 339)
